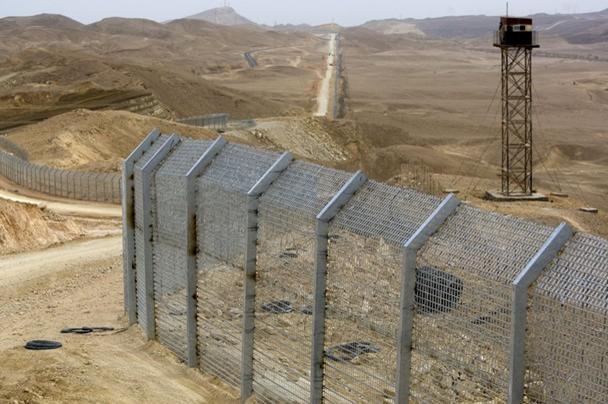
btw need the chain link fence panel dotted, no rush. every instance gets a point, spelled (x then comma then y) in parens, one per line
(463, 292)
(462, 326)
(140, 273)
(363, 290)
(213, 121)
(169, 245)
(284, 291)
(221, 229)
(567, 352)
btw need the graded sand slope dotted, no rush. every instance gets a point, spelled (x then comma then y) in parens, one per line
(93, 140)
(24, 226)
(115, 368)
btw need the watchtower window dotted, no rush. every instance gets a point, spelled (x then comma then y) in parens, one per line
(522, 28)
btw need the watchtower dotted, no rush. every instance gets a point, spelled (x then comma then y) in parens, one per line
(516, 39)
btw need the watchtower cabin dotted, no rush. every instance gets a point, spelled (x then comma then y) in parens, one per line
(516, 32)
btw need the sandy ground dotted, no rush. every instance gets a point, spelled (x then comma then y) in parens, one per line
(15, 269)
(76, 284)
(119, 367)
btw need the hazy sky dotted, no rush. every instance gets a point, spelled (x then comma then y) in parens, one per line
(345, 12)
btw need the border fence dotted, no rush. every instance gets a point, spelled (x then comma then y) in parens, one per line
(214, 121)
(87, 186)
(297, 283)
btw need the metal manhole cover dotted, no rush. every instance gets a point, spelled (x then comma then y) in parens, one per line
(278, 307)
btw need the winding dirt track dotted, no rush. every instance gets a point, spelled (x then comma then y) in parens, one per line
(18, 268)
(70, 208)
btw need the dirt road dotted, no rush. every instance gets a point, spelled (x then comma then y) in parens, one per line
(18, 268)
(71, 208)
(324, 91)
(80, 284)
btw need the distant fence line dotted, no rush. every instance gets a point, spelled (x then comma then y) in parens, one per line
(298, 283)
(86, 186)
(337, 108)
(214, 121)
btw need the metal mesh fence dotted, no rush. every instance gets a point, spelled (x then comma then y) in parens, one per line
(87, 186)
(169, 245)
(284, 294)
(462, 324)
(463, 291)
(214, 121)
(222, 226)
(363, 290)
(140, 273)
(567, 352)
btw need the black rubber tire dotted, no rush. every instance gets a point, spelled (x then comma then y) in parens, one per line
(42, 345)
(82, 330)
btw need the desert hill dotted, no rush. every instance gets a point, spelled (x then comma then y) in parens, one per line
(575, 28)
(222, 16)
(50, 64)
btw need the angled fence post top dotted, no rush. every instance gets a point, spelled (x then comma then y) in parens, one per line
(142, 147)
(544, 256)
(547, 253)
(160, 154)
(433, 222)
(342, 197)
(271, 175)
(207, 157)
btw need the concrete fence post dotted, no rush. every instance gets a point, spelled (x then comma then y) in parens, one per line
(191, 247)
(547, 253)
(253, 197)
(64, 184)
(128, 224)
(320, 276)
(147, 171)
(408, 290)
(55, 188)
(47, 180)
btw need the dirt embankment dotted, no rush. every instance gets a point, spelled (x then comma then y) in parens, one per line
(90, 140)
(25, 227)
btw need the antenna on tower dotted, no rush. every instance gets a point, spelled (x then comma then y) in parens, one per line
(507, 8)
